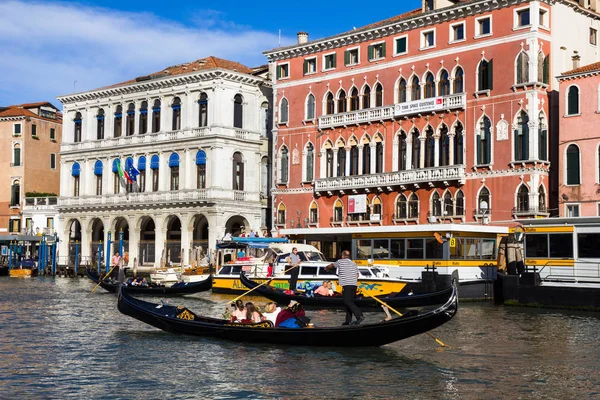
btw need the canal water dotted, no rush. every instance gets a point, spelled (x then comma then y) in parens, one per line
(58, 340)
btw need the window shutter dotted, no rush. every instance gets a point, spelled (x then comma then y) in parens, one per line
(545, 70)
(333, 60)
(383, 49)
(490, 72)
(279, 72)
(371, 52)
(305, 66)
(517, 156)
(346, 57)
(479, 149)
(520, 69)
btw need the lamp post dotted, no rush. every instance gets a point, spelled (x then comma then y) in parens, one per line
(299, 213)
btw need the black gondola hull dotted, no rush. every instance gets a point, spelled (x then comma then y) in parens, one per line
(188, 288)
(336, 302)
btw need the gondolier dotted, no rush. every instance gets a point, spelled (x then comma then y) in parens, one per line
(348, 279)
(293, 267)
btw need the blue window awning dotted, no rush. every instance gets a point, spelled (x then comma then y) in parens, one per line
(156, 109)
(76, 170)
(142, 163)
(154, 162)
(77, 121)
(201, 157)
(144, 111)
(100, 117)
(131, 112)
(114, 166)
(176, 107)
(118, 115)
(128, 163)
(174, 160)
(98, 168)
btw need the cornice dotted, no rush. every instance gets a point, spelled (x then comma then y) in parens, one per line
(167, 82)
(578, 75)
(15, 118)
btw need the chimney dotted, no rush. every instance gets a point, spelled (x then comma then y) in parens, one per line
(302, 37)
(576, 57)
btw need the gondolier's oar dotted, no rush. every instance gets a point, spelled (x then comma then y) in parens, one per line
(102, 280)
(400, 314)
(265, 282)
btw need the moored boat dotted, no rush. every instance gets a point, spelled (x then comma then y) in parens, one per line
(183, 321)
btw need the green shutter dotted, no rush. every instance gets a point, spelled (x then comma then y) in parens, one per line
(479, 149)
(333, 60)
(371, 52)
(490, 75)
(279, 72)
(545, 70)
(346, 57)
(383, 49)
(520, 69)
(305, 67)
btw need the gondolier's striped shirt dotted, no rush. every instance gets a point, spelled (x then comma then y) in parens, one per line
(347, 272)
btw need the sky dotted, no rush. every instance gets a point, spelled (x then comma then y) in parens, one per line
(53, 48)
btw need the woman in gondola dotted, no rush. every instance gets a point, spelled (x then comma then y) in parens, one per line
(252, 314)
(239, 313)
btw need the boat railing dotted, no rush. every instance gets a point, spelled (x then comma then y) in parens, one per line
(567, 271)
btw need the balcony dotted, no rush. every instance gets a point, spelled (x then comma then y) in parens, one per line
(370, 115)
(389, 179)
(161, 137)
(40, 203)
(520, 212)
(155, 198)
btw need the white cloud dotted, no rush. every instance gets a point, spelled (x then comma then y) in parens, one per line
(47, 46)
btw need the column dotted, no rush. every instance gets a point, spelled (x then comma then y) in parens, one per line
(63, 245)
(136, 129)
(436, 151)
(159, 239)
(134, 236)
(408, 152)
(186, 236)
(165, 113)
(335, 161)
(360, 159)
(322, 165)
(124, 119)
(372, 151)
(451, 148)
(217, 180)
(422, 153)
(347, 167)
(109, 121)
(395, 154)
(164, 174)
(190, 105)
(86, 233)
(88, 125)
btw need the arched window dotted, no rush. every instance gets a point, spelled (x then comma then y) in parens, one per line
(313, 215)
(379, 158)
(402, 149)
(459, 83)
(238, 111)
(310, 162)
(484, 75)
(281, 214)
(264, 119)
(16, 155)
(377, 207)
(75, 172)
(329, 162)
(285, 159)
(484, 137)
(118, 125)
(483, 201)
(415, 89)
(401, 207)
(436, 204)
(143, 125)
(238, 171)
(354, 160)
(366, 97)
(460, 203)
(98, 167)
(116, 165)
(330, 104)
(310, 107)
(264, 178)
(342, 103)
(416, 150)
(429, 86)
(541, 199)
(130, 122)
(521, 138)
(444, 84)
(15, 193)
(154, 164)
(543, 68)
(142, 177)
(543, 138)
(458, 144)
(413, 206)
(573, 165)
(78, 123)
(444, 147)
(402, 91)
(341, 161)
(354, 100)
(448, 204)
(283, 111)
(203, 110)
(429, 148)
(378, 95)
(366, 157)
(573, 100)
(100, 124)
(523, 199)
(338, 211)
(174, 166)
(522, 68)
(156, 116)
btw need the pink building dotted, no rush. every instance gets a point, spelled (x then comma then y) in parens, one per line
(579, 147)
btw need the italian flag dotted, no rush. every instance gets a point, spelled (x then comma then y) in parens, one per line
(122, 173)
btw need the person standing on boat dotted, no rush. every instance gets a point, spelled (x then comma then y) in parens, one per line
(293, 267)
(348, 278)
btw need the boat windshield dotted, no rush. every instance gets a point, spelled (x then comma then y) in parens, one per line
(366, 272)
(230, 270)
(313, 256)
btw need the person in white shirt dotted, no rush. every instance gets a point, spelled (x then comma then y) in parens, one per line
(271, 312)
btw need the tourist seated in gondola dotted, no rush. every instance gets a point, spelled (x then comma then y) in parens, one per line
(239, 313)
(144, 283)
(271, 312)
(253, 316)
(326, 289)
(293, 316)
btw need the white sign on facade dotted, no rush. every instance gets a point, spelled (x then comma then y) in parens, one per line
(357, 204)
(375, 217)
(417, 106)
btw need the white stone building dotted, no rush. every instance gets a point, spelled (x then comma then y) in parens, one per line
(199, 135)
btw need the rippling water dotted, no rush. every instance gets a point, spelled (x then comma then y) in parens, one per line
(58, 340)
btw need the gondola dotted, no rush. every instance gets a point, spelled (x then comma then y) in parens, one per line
(177, 289)
(397, 300)
(183, 321)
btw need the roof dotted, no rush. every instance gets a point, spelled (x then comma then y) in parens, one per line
(202, 64)
(22, 110)
(586, 68)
